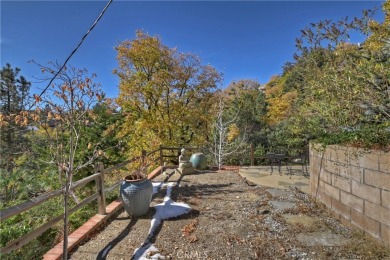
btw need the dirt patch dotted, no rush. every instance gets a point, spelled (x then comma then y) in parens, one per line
(229, 220)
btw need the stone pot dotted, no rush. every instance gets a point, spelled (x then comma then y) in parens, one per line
(199, 161)
(136, 196)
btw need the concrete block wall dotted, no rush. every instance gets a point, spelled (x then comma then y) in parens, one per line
(355, 184)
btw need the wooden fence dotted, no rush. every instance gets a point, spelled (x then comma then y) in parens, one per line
(147, 159)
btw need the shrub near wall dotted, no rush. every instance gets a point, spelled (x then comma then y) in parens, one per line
(355, 184)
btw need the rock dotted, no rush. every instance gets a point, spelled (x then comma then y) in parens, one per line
(282, 205)
(278, 193)
(264, 212)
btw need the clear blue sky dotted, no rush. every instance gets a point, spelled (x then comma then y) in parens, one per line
(243, 40)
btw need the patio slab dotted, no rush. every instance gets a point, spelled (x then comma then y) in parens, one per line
(261, 175)
(282, 205)
(321, 239)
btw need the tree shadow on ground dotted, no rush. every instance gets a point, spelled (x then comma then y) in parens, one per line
(133, 221)
(152, 237)
(200, 189)
(157, 223)
(181, 189)
(104, 252)
(204, 190)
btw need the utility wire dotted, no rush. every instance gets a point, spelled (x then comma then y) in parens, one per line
(74, 51)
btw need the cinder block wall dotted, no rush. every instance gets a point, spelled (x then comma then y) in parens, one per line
(355, 185)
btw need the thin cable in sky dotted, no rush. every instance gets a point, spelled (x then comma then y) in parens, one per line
(74, 51)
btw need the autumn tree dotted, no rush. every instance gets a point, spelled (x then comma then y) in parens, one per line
(342, 89)
(280, 100)
(165, 95)
(351, 77)
(62, 112)
(379, 40)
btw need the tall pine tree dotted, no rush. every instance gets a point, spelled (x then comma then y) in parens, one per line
(14, 90)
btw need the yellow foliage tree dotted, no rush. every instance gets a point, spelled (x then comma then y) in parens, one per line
(233, 132)
(279, 100)
(380, 31)
(165, 95)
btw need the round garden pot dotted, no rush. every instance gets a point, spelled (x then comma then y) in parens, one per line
(199, 161)
(136, 196)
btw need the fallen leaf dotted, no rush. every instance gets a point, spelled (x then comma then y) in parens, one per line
(189, 228)
(193, 239)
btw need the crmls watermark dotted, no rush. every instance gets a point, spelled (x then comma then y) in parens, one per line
(181, 254)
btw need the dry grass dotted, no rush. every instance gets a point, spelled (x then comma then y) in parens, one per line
(364, 245)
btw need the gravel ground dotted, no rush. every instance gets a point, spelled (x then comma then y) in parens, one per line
(232, 218)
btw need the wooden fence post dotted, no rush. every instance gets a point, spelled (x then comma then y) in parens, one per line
(161, 159)
(143, 162)
(99, 168)
(252, 155)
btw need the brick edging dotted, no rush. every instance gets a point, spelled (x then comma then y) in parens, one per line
(154, 173)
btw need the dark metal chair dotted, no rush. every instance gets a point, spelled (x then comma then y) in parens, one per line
(300, 160)
(276, 158)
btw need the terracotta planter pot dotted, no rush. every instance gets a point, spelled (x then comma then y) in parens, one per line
(136, 196)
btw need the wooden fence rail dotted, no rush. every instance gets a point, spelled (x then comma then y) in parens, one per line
(100, 196)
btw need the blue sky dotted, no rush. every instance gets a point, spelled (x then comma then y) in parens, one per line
(243, 40)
